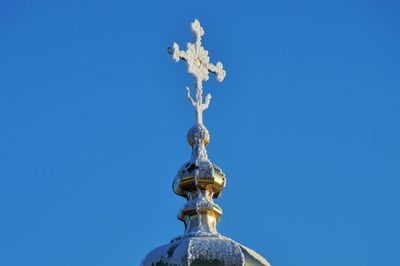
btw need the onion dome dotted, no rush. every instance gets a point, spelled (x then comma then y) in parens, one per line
(200, 181)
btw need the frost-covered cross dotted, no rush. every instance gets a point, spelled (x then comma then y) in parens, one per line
(198, 65)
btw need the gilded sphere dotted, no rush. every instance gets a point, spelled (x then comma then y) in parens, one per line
(198, 134)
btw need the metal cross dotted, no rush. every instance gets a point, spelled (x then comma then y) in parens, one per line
(198, 65)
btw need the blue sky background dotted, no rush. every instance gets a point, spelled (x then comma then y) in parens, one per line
(94, 115)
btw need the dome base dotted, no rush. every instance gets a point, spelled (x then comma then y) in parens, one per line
(203, 250)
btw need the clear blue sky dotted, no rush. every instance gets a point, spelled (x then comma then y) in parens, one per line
(306, 125)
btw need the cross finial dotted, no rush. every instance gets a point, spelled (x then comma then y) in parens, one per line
(199, 66)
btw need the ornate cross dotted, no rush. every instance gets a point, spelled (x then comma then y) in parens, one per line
(198, 65)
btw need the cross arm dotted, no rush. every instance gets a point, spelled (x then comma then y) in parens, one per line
(176, 53)
(217, 69)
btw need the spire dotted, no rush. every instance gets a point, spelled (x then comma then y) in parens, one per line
(199, 180)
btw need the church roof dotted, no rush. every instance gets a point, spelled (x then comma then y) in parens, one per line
(204, 251)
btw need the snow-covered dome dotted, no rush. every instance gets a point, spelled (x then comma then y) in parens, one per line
(198, 251)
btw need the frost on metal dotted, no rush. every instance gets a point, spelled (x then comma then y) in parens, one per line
(220, 250)
(200, 181)
(199, 66)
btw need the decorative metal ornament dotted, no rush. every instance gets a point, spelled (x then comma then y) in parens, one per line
(199, 66)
